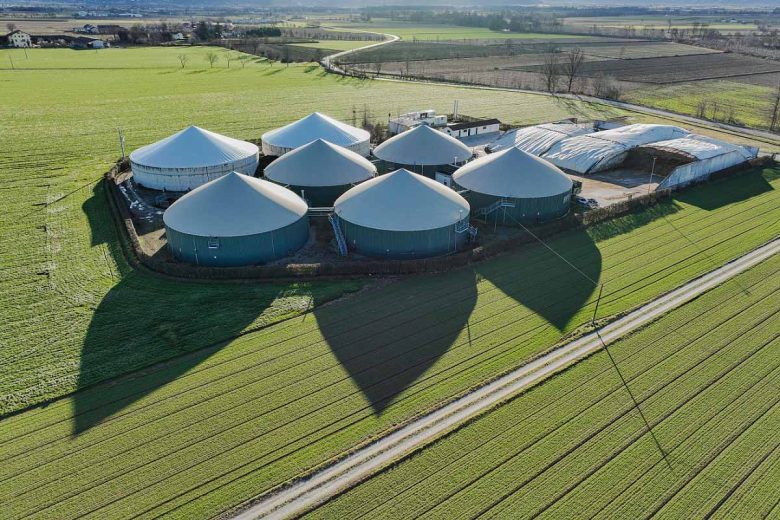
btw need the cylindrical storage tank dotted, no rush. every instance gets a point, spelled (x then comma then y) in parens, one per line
(422, 150)
(191, 158)
(316, 126)
(403, 215)
(236, 220)
(514, 187)
(320, 171)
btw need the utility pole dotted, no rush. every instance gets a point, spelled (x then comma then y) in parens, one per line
(121, 141)
(652, 171)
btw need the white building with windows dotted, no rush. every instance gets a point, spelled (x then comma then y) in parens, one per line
(19, 39)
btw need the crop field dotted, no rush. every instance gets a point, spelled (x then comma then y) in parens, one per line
(69, 302)
(745, 24)
(336, 45)
(242, 418)
(679, 69)
(705, 377)
(414, 31)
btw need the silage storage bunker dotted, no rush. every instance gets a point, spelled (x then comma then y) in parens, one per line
(316, 126)
(320, 171)
(403, 215)
(422, 150)
(191, 158)
(236, 220)
(513, 186)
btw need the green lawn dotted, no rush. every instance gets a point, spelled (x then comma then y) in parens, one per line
(227, 417)
(68, 301)
(212, 429)
(706, 378)
(749, 104)
(411, 31)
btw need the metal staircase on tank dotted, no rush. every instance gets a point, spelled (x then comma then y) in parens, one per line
(465, 227)
(340, 240)
(500, 203)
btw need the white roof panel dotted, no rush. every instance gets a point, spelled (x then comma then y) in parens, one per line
(193, 147)
(320, 163)
(422, 146)
(539, 138)
(235, 205)
(701, 146)
(402, 201)
(513, 173)
(315, 126)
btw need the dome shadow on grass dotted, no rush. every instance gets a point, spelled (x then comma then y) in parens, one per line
(729, 190)
(387, 347)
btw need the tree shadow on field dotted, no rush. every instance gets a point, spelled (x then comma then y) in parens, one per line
(542, 281)
(727, 191)
(389, 342)
(157, 328)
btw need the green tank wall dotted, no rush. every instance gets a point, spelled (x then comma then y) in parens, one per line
(428, 171)
(526, 211)
(238, 251)
(403, 244)
(320, 196)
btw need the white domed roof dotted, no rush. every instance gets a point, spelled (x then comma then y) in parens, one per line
(402, 201)
(315, 126)
(320, 163)
(235, 205)
(513, 173)
(193, 147)
(422, 146)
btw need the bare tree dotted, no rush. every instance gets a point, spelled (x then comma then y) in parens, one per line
(286, 54)
(572, 66)
(212, 57)
(378, 66)
(774, 114)
(607, 87)
(228, 58)
(183, 59)
(701, 109)
(551, 70)
(243, 59)
(10, 26)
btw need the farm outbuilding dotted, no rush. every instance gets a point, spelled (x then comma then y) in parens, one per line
(320, 171)
(513, 186)
(701, 156)
(538, 139)
(595, 152)
(422, 150)
(191, 158)
(403, 215)
(316, 126)
(236, 220)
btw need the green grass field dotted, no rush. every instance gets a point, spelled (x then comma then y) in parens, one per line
(68, 300)
(415, 31)
(750, 104)
(241, 418)
(227, 417)
(706, 378)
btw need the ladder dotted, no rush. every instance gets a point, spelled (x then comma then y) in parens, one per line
(501, 203)
(340, 240)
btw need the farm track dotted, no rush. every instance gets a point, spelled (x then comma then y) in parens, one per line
(30, 462)
(670, 362)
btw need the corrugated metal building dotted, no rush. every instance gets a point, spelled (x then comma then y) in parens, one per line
(513, 186)
(316, 126)
(236, 220)
(422, 150)
(320, 171)
(403, 215)
(191, 158)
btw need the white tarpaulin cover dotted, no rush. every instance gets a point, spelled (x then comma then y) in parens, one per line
(422, 146)
(320, 163)
(513, 173)
(702, 147)
(539, 138)
(316, 126)
(402, 201)
(190, 158)
(603, 150)
(235, 205)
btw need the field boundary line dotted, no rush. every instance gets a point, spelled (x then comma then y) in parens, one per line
(322, 485)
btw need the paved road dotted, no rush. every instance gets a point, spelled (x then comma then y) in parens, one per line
(324, 484)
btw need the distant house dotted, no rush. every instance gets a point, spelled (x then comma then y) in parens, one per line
(97, 44)
(18, 38)
(89, 29)
(179, 37)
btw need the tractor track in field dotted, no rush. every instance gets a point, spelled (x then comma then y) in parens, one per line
(333, 479)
